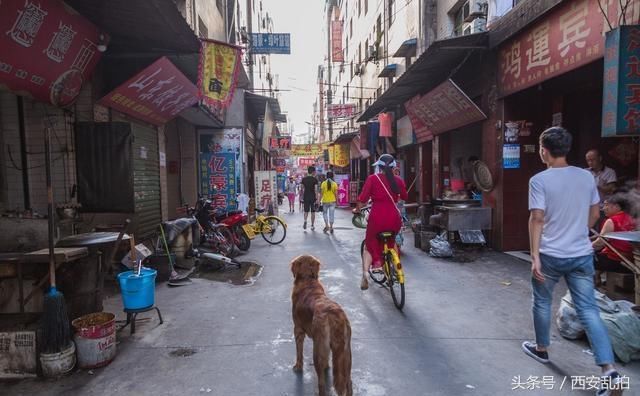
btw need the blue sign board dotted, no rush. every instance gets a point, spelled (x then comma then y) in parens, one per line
(621, 90)
(218, 179)
(270, 43)
(511, 156)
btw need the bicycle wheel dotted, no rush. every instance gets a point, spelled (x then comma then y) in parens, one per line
(274, 230)
(225, 241)
(395, 287)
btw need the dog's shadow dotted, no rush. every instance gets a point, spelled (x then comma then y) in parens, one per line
(299, 387)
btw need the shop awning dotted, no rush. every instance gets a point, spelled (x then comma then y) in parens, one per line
(407, 49)
(146, 26)
(346, 138)
(431, 69)
(199, 115)
(257, 103)
(389, 70)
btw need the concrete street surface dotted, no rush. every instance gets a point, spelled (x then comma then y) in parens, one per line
(459, 334)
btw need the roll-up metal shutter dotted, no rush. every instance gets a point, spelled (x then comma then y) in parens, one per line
(146, 180)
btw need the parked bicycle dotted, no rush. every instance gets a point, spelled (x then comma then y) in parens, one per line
(272, 228)
(392, 275)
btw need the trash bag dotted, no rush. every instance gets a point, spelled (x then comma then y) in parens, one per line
(567, 319)
(440, 247)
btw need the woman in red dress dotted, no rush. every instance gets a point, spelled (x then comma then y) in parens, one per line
(384, 189)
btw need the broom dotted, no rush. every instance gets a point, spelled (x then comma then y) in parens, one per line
(56, 334)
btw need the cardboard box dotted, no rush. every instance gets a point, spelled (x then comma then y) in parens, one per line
(141, 253)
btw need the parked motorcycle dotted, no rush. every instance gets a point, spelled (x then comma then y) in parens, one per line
(235, 219)
(216, 236)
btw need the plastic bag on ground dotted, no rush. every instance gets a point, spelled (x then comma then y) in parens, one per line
(567, 319)
(440, 247)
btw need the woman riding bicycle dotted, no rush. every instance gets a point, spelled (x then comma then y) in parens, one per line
(384, 189)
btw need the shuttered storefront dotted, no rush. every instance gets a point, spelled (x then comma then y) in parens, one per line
(146, 180)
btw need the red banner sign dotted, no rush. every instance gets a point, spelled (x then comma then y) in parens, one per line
(155, 95)
(336, 41)
(280, 143)
(571, 36)
(46, 50)
(304, 162)
(341, 110)
(444, 108)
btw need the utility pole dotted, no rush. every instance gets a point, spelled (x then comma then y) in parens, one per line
(249, 54)
(329, 55)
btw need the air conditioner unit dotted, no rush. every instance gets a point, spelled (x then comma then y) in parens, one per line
(372, 53)
(473, 10)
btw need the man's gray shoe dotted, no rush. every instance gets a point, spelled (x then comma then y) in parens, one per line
(610, 384)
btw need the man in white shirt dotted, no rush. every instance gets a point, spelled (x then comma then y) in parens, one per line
(563, 204)
(604, 176)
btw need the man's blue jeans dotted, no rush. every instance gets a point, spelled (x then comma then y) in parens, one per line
(578, 273)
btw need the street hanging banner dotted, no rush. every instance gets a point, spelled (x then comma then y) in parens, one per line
(569, 37)
(270, 43)
(621, 91)
(341, 110)
(336, 42)
(155, 95)
(308, 150)
(47, 51)
(339, 155)
(218, 72)
(217, 179)
(445, 108)
(266, 189)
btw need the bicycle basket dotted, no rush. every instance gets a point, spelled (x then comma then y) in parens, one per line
(359, 220)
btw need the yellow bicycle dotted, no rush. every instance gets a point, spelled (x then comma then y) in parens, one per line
(272, 228)
(392, 275)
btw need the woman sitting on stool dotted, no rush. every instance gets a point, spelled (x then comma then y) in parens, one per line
(615, 209)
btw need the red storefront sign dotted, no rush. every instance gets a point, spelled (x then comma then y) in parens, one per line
(46, 50)
(336, 41)
(571, 36)
(341, 110)
(304, 162)
(442, 109)
(280, 143)
(155, 95)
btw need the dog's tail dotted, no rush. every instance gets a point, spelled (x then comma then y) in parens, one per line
(341, 356)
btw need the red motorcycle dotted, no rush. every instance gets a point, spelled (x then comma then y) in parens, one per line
(234, 220)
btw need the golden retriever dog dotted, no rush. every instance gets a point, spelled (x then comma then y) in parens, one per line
(324, 321)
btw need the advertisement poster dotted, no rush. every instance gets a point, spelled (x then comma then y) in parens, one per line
(227, 141)
(266, 190)
(339, 155)
(511, 156)
(217, 179)
(343, 189)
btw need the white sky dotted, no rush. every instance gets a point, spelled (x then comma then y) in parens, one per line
(298, 72)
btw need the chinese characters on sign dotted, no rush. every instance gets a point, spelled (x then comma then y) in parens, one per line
(218, 72)
(445, 108)
(339, 155)
(422, 132)
(569, 38)
(511, 156)
(621, 91)
(341, 110)
(280, 143)
(155, 95)
(270, 43)
(46, 50)
(304, 162)
(336, 41)
(265, 187)
(308, 150)
(217, 179)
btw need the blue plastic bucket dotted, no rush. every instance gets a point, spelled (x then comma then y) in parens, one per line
(138, 291)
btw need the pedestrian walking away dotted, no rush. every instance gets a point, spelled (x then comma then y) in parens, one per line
(560, 247)
(309, 192)
(384, 189)
(329, 197)
(291, 189)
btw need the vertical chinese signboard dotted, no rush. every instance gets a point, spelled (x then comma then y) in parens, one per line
(46, 50)
(336, 41)
(621, 93)
(217, 179)
(343, 189)
(224, 141)
(266, 190)
(570, 37)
